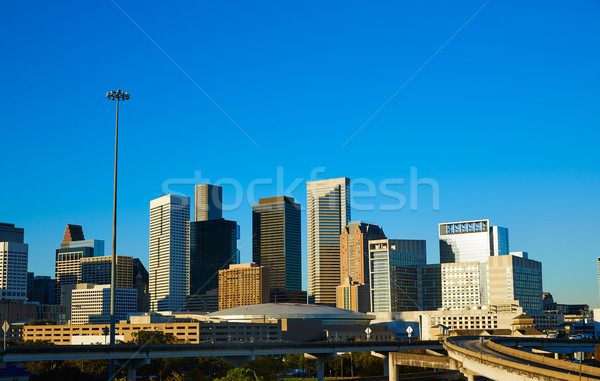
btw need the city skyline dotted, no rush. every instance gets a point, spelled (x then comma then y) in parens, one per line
(503, 119)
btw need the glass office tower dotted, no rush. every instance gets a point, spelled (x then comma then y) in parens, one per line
(328, 212)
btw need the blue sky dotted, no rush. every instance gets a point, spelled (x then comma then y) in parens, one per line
(504, 118)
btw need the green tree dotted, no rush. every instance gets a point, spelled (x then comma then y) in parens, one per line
(152, 337)
(266, 367)
(241, 374)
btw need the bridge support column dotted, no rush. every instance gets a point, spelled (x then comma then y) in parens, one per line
(389, 369)
(131, 366)
(320, 357)
(557, 356)
(237, 361)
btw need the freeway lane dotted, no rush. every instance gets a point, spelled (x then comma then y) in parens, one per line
(132, 351)
(474, 345)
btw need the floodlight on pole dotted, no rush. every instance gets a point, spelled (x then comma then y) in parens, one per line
(114, 96)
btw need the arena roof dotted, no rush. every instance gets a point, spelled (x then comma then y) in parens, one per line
(292, 311)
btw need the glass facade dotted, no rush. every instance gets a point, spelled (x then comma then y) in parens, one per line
(328, 212)
(276, 240)
(469, 241)
(393, 266)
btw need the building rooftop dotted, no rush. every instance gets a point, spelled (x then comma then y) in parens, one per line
(290, 311)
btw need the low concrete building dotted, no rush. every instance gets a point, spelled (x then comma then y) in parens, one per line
(186, 328)
(304, 322)
(429, 325)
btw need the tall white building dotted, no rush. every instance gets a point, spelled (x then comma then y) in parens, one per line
(13, 262)
(471, 241)
(13, 270)
(328, 212)
(90, 304)
(169, 252)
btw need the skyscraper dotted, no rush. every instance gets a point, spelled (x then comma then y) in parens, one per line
(394, 273)
(328, 212)
(208, 202)
(354, 265)
(213, 246)
(9, 233)
(72, 233)
(169, 252)
(276, 240)
(140, 283)
(98, 270)
(42, 289)
(13, 262)
(469, 241)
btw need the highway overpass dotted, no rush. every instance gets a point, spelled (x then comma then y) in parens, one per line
(133, 356)
(493, 358)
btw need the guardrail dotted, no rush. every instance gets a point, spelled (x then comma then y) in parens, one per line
(513, 365)
(589, 370)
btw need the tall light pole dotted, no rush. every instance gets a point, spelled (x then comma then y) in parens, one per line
(114, 96)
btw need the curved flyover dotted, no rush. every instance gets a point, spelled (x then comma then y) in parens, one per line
(497, 362)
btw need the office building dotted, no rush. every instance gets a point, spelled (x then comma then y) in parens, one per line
(393, 265)
(169, 252)
(13, 262)
(464, 285)
(513, 278)
(74, 239)
(41, 289)
(67, 270)
(204, 302)
(328, 212)
(471, 241)
(522, 254)
(242, 285)
(13, 270)
(501, 280)
(10, 233)
(430, 286)
(281, 295)
(72, 233)
(276, 240)
(96, 244)
(98, 270)
(78, 264)
(208, 202)
(92, 305)
(354, 265)
(140, 283)
(353, 296)
(213, 247)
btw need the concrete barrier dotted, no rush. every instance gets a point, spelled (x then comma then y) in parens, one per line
(566, 365)
(545, 373)
(423, 361)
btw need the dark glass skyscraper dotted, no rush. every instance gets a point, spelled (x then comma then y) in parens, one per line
(213, 246)
(9, 233)
(276, 240)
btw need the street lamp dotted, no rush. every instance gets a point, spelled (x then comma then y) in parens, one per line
(114, 96)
